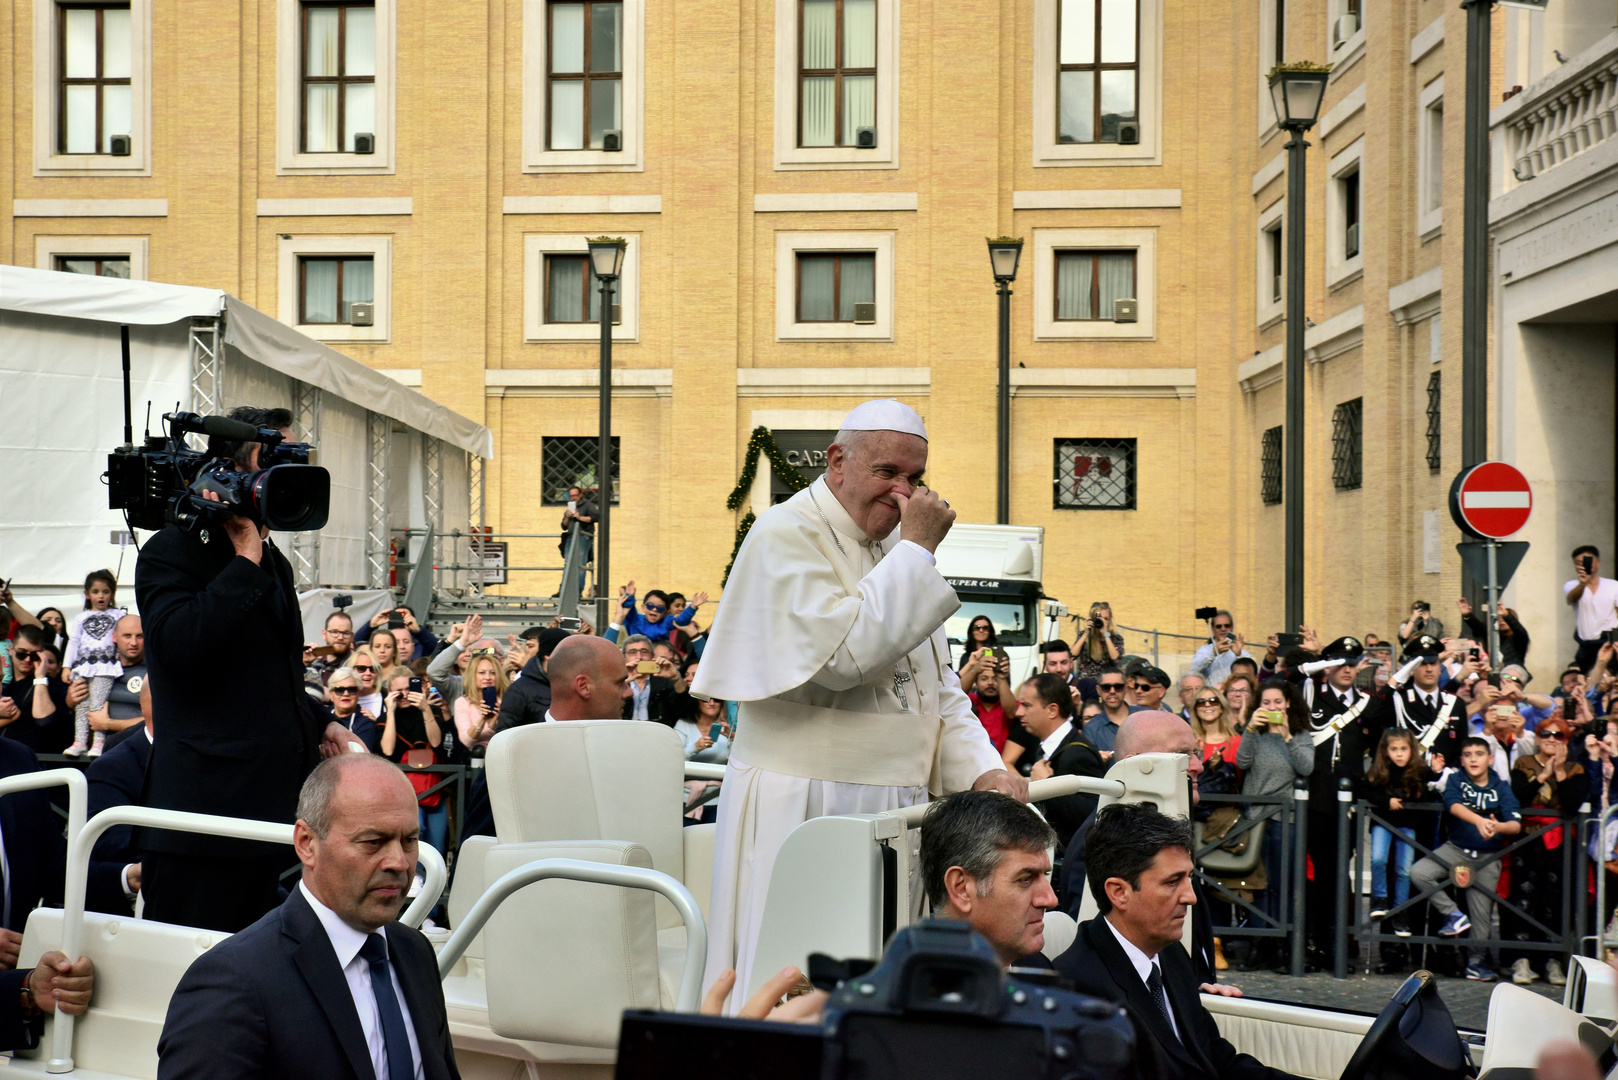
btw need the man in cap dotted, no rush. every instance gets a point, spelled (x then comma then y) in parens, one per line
(1336, 714)
(1414, 701)
(830, 637)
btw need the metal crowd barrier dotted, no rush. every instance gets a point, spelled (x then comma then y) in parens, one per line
(1355, 819)
(1287, 813)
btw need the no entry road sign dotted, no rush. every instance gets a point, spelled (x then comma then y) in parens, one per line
(1490, 500)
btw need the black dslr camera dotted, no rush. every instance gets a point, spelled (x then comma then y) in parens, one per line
(165, 480)
(938, 1007)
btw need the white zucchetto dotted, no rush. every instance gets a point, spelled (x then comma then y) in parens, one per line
(885, 414)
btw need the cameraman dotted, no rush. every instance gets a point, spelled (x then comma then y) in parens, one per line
(240, 747)
(1421, 621)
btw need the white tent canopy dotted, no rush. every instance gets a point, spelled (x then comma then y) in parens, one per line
(62, 394)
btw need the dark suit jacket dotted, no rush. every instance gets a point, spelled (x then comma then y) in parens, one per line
(272, 1002)
(1349, 752)
(1076, 756)
(36, 844)
(663, 704)
(1098, 966)
(1418, 716)
(238, 746)
(115, 779)
(1070, 897)
(526, 700)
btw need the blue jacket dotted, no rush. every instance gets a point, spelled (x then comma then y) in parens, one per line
(636, 623)
(1493, 799)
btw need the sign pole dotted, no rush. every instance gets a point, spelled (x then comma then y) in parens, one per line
(1493, 548)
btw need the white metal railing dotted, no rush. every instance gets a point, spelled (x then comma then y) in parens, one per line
(1038, 791)
(83, 835)
(1569, 111)
(629, 877)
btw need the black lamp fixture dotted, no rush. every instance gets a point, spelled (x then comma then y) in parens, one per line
(607, 262)
(1005, 252)
(1297, 91)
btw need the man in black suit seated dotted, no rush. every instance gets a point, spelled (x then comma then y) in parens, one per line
(1045, 707)
(328, 985)
(1139, 867)
(985, 859)
(115, 779)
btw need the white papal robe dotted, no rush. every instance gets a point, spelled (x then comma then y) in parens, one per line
(819, 633)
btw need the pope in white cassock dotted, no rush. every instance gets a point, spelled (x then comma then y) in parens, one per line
(830, 638)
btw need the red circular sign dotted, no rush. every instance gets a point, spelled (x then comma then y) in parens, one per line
(1491, 500)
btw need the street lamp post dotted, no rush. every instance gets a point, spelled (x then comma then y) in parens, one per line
(607, 261)
(1004, 254)
(1297, 90)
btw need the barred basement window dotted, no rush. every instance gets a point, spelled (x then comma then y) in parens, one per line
(570, 461)
(1347, 422)
(1095, 474)
(1435, 457)
(1270, 466)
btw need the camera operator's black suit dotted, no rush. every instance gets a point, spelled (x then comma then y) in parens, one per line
(234, 731)
(1099, 967)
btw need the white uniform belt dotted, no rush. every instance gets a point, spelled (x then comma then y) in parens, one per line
(886, 749)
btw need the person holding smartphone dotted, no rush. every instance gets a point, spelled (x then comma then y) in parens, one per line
(1098, 646)
(1421, 621)
(1594, 600)
(1271, 756)
(478, 707)
(412, 736)
(343, 691)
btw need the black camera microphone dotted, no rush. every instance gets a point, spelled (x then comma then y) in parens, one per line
(222, 427)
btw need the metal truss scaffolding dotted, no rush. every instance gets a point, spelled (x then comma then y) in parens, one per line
(379, 443)
(207, 371)
(306, 428)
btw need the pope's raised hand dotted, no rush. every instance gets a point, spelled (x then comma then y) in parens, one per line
(924, 518)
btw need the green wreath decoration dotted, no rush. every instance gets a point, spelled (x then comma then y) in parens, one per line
(760, 440)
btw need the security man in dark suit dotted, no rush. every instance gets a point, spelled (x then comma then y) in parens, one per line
(115, 779)
(1338, 727)
(329, 986)
(1140, 872)
(239, 746)
(1045, 708)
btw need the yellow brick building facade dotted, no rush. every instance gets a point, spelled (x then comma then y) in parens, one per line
(464, 196)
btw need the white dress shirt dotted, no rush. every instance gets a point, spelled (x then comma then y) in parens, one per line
(1597, 609)
(643, 699)
(1048, 746)
(346, 943)
(1143, 968)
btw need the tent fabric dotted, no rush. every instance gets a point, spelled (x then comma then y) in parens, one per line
(249, 331)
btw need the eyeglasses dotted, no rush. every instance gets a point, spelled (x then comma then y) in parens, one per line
(24, 654)
(364, 667)
(1222, 626)
(655, 609)
(340, 633)
(1110, 687)
(1208, 703)
(1553, 735)
(344, 689)
(481, 652)
(1142, 688)
(1511, 679)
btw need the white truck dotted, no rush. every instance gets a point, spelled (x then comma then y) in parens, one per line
(996, 571)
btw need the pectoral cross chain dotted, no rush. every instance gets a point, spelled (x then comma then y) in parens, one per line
(900, 677)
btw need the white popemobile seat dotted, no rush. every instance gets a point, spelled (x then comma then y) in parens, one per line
(559, 961)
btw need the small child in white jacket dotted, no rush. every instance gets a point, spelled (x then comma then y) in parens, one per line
(92, 655)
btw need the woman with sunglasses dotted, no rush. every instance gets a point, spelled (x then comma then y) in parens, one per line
(466, 643)
(1548, 783)
(1217, 743)
(365, 668)
(343, 702)
(980, 635)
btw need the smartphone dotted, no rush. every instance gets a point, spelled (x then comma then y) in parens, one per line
(1494, 681)
(1203, 614)
(1473, 654)
(1569, 709)
(395, 623)
(571, 623)
(415, 684)
(1505, 712)
(984, 654)
(489, 696)
(1589, 563)
(322, 650)
(573, 505)
(1288, 641)
(1610, 635)
(713, 730)
(647, 667)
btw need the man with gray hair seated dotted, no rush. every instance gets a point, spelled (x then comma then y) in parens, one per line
(328, 984)
(985, 858)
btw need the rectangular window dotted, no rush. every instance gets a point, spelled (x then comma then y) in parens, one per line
(328, 288)
(831, 284)
(338, 76)
(585, 74)
(1087, 283)
(1276, 254)
(1270, 467)
(1350, 184)
(116, 266)
(570, 461)
(1435, 403)
(1433, 187)
(1098, 69)
(94, 91)
(572, 293)
(1347, 423)
(836, 71)
(1279, 43)
(1095, 474)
